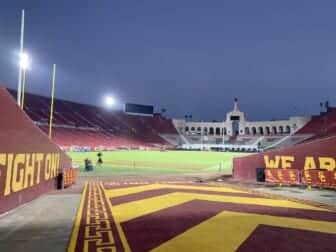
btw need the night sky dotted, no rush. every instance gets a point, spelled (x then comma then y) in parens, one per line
(188, 56)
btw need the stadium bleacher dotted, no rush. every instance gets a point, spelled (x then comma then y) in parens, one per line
(321, 125)
(85, 126)
(78, 125)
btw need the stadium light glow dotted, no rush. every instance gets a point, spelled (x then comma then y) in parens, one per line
(24, 61)
(109, 101)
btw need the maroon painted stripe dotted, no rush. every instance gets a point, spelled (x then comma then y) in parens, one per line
(273, 211)
(138, 196)
(147, 232)
(158, 192)
(121, 186)
(277, 239)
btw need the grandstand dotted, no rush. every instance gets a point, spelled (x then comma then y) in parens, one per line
(321, 126)
(238, 134)
(79, 177)
(138, 202)
(86, 127)
(81, 126)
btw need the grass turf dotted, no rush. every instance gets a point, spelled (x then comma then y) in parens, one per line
(137, 162)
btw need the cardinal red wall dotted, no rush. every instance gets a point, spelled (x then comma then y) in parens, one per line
(20, 141)
(245, 167)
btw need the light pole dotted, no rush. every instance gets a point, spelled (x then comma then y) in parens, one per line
(21, 52)
(25, 62)
(52, 99)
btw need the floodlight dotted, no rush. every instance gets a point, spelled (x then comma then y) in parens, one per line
(109, 101)
(25, 61)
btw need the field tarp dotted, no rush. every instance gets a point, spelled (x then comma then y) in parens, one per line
(317, 154)
(29, 161)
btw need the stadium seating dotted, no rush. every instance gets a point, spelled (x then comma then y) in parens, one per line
(85, 126)
(323, 123)
(79, 125)
(320, 126)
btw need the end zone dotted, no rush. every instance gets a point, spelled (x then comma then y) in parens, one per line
(168, 217)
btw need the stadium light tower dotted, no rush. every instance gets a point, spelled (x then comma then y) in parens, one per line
(109, 101)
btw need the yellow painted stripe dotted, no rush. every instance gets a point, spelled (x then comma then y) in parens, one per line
(139, 208)
(207, 188)
(137, 189)
(117, 223)
(230, 229)
(226, 235)
(131, 210)
(130, 190)
(74, 235)
(254, 201)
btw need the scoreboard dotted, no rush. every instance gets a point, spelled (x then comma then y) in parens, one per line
(132, 108)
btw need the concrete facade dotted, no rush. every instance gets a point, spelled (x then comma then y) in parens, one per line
(236, 124)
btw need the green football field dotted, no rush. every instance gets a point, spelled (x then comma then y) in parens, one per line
(137, 162)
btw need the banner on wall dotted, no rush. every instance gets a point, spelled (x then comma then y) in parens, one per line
(319, 178)
(283, 176)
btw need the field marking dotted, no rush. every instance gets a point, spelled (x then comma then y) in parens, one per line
(239, 225)
(218, 226)
(117, 223)
(78, 219)
(226, 223)
(207, 188)
(125, 191)
(178, 160)
(139, 208)
(131, 210)
(160, 164)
